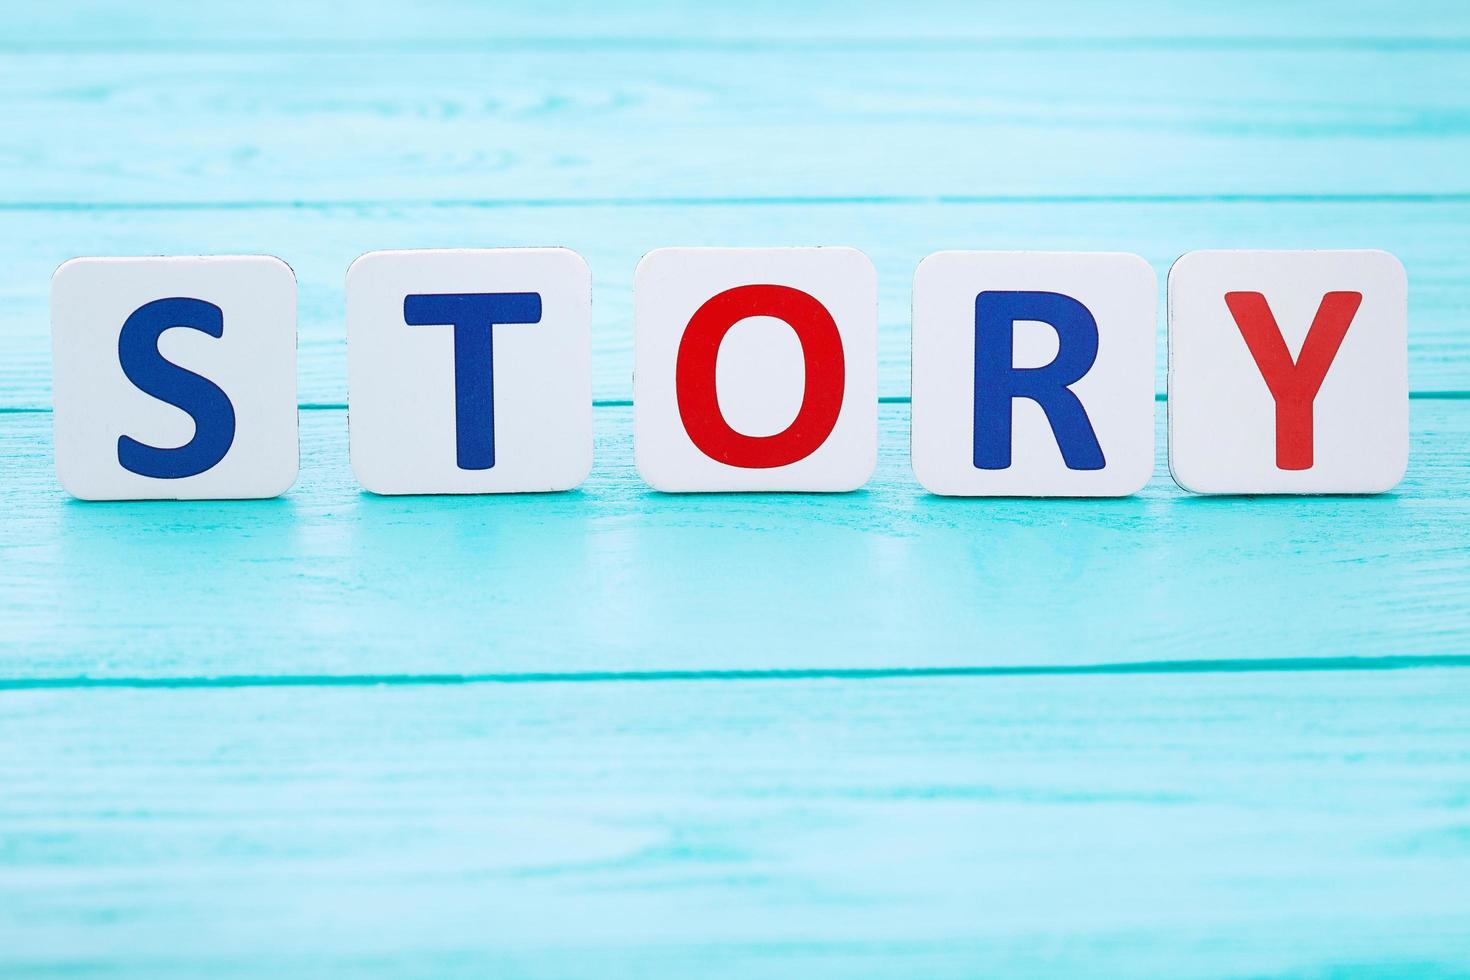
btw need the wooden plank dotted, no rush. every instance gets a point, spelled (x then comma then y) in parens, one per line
(615, 577)
(767, 22)
(654, 120)
(1226, 824)
(321, 242)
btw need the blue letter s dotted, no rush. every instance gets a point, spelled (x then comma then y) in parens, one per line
(145, 367)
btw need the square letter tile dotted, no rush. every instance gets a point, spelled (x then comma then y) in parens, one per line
(470, 370)
(1288, 372)
(1033, 373)
(174, 378)
(756, 369)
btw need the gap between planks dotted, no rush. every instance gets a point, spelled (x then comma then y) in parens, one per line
(1240, 666)
(764, 43)
(838, 200)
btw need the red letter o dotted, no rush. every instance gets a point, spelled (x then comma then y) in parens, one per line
(694, 376)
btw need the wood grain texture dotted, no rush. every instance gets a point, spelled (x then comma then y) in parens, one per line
(1299, 825)
(569, 121)
(321, 242)
(163, 24)
(615, 577)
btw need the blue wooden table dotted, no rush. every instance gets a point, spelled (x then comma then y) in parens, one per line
(615, 733)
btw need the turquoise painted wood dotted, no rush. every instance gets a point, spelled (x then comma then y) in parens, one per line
(613, 733)
(1027, 105)
(1278, 824)
(165, 25)
(614, 577)
(640, 121)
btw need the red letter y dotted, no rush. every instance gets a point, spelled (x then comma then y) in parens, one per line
(1293, 384)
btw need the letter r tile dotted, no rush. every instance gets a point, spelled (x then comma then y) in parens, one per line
(1288, 372)
(1033, 373)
